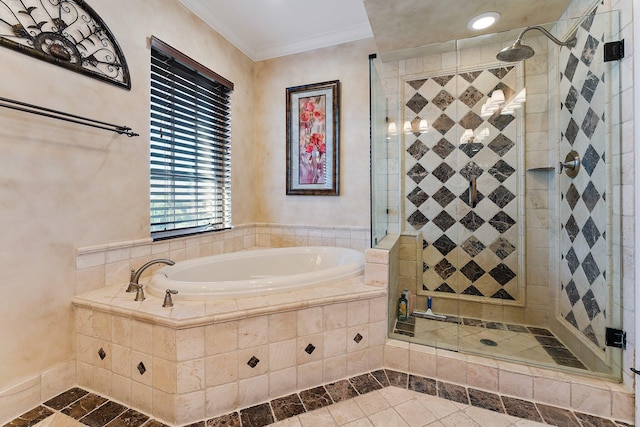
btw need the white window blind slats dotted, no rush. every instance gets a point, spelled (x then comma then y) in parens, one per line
(190, 148)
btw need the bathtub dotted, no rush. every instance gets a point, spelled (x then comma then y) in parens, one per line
(256, 272)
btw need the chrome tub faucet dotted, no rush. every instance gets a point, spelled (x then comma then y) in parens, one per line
(136, 287)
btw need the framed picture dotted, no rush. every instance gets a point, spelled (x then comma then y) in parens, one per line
(313, 131)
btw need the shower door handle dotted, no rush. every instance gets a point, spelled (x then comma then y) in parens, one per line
(473, 192)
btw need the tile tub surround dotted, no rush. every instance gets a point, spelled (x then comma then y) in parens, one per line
(110, 264)
(199, 359)
(355, 399)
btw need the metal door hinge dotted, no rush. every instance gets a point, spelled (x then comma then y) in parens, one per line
(615, 338)
(614, 51)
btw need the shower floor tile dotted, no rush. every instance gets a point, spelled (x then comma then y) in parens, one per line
(495, 339)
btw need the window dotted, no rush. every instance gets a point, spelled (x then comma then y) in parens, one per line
(190, 145)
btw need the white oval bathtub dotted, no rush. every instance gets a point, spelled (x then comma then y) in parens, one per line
(256, 272)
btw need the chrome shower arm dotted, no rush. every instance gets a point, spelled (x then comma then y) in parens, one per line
(570, 42)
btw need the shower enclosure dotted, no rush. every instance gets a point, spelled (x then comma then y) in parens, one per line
(504, 251)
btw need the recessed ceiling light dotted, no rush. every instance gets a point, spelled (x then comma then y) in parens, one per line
(483, 21)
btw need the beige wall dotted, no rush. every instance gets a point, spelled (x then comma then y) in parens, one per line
(349, 64)
(64, 186)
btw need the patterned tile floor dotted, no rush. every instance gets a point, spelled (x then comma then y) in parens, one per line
(381, 398)
(514, 342)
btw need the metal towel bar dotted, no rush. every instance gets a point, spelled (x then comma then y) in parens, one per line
(54, 114)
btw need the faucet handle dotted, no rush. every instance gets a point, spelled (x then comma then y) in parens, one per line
(132, 286)
(168, 302)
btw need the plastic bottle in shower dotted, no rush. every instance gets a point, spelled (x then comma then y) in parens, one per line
(403, 307)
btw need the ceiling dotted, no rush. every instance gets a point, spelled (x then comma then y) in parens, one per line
(264, 29)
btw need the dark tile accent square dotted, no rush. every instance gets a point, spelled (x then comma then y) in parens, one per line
(501, 170)
(66, 398)
(443, 148)
(495, 325)
(417, 150)
(471, 148)
(589, 50)
(364, 383)
(309, 349)
(485, 400)
(503, 294)
(500, 72)
(521, 409)
(501, 145)
(397, 379)
(102, 354)
(472, 271)
(358, 338)
(472, 221)
(443, 172)
(104, 414)
(443, 124)
(465, 197)
(82, 407)
(453, 392)
(572, 196)
(572, 292)
(156, 423)
(590, 197)
(471, 121)
(130, 418)
(445, 288)
(417, 173)
(572, 260)
(557, 416)
(572, 228)
(572, 131)
(471, 96)
(444, 269)
(472, 290)
(590, 86)
(591, 270)
(422, 385)
(341, 390)
(570, 69)
(472, 246)
(444, 244)
(501, 197)
(315, 398)
(502, 247)
(443, 196)
(417, 103)
(444, 221)
(590, 123)
(227, 420)
(502, 222)
(443, 99)
(502, 274)
(590, 232)
(257, 416)
(417, 220)
(471, 170)
(253, 362)
(572, 98)
(443, 80)
(287, 407)
(468, 321)
(590, 305)
(549, 341)
(500, 121)
(470, 76)
(141, 368)
(417, 84)
(417, 197)
(31, 417)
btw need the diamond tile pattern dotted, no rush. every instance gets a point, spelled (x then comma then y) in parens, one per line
(584, 210)
(468, 251)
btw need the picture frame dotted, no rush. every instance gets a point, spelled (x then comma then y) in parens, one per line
(313, 134)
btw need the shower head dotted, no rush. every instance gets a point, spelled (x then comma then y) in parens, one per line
(516, 52)
(519, 52)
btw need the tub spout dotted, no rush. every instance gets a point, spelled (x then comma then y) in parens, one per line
(136, 287)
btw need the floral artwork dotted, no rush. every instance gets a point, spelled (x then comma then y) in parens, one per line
(312, 139)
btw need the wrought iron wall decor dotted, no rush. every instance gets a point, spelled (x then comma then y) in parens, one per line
(68, 33)
(54, 114)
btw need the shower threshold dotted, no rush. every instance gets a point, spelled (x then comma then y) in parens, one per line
(488, 337)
